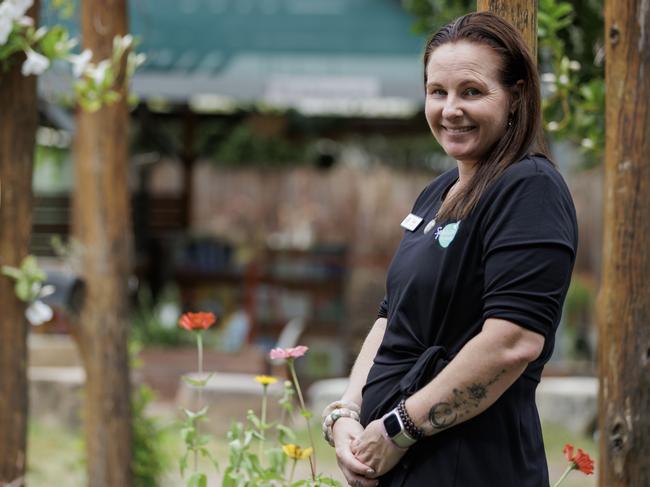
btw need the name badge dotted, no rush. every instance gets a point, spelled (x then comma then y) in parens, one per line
(411, 222)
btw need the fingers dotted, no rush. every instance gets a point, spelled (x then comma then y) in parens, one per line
(358, 481)
(347, 460)
(355, 479)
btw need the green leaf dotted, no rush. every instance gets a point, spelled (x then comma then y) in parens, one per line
(23, 289)
(287, 435)
(206, 453)
(202, 440)
(228, 480)
(255, 420)
(197, 382)
(306, 413)
(183, 463)
(111, 97)
(12, 272)
(198, 479)
(188, 435)
(196, 415)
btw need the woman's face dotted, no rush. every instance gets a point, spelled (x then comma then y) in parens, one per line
(466, 106)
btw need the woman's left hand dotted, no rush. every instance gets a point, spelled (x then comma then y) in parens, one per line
(375, 449)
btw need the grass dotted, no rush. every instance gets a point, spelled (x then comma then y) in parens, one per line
(55, 456)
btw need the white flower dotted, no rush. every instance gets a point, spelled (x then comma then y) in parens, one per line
(38, 313)
(21, 6)
(80, 62)
(40, 32)
(67, 45)
(12, 10)
(587, 143)
(127, 40)
(98, 73)
(574, 66)
(26, 21)
(6, 26)
(35, 63)
(122, 43)
(548, 78)
(564, 79)
(139, 59)
(553, 126)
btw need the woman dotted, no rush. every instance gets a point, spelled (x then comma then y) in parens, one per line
(446, 378)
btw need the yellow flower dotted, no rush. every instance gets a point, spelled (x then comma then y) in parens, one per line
(297, 453)
(265, 380)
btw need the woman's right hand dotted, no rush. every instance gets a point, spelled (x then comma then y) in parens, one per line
(345, 431)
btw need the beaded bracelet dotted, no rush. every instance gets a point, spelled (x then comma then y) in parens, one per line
(340, 404)
(333, 417)
(409, 425)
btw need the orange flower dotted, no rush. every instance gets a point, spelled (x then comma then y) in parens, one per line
(197, 321)
(580, 461)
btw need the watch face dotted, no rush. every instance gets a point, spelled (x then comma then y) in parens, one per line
(392, 425)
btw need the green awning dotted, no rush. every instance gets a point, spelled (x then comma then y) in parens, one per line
(340, 56)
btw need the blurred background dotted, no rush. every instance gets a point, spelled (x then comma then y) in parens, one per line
(275, 147)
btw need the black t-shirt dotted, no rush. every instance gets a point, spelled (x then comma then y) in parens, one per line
(511, 258)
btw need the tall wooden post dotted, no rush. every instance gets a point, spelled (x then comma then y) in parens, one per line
(624, 312)
(17, 136)
(521, 13)
(101, 224)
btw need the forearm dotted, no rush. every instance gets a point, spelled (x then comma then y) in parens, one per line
(483, 369)
(364, 361)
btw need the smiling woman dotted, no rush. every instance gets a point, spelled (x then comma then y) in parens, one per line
(445, 381)
(466, 107)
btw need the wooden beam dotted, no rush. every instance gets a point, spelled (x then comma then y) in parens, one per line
(18, 120)
(624, 303)
(102, 225)
(521, 13)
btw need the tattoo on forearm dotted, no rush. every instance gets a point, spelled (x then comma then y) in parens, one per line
(462, 403)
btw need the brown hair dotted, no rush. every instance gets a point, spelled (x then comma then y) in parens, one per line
(524, 133)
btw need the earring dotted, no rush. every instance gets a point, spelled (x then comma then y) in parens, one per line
(510, 120)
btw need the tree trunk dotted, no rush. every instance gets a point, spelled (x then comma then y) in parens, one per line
(17, 136)
(102, 226)
(521, 13)
(624, 304)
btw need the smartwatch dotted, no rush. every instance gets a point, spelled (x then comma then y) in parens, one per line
(396, 430)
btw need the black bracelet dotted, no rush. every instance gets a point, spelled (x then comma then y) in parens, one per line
(412, 430)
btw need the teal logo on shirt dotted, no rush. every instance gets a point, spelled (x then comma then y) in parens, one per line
(445, 235)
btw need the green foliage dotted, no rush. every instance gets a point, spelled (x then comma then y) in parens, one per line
(573, 106)
(430, 15)
(243, 146)
(149, 325)
(65, 8)
(580, 297)
(195, 445)
(29, 278)
(149, 459)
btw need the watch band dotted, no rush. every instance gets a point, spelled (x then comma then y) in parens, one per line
(401, 438)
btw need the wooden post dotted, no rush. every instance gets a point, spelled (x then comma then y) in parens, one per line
(17, 137)
(624, 303)
(521, 13)
(101, 224)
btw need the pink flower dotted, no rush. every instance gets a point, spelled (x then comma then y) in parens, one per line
(288, 353)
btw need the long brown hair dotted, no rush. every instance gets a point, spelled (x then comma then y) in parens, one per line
(524, 133)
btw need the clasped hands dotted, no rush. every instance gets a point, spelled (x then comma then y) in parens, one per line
(364, 454)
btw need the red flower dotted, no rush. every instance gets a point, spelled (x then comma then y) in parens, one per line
(581, 461)
(197, 321)
(285, 353)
